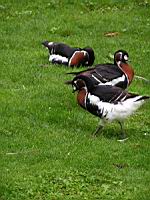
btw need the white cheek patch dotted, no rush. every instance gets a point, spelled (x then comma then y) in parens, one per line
(50, 43)
(125, 57)
(74, 87)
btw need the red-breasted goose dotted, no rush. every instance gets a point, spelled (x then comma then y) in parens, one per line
(60, 53)
(109, 103)
(119, 73)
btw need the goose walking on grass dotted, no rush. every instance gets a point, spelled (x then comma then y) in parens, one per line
(109, 103)
(119, 73)
(60, 53)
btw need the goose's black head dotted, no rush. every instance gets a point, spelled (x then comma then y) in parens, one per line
(121, 55)
(80, 82)
(91, 55)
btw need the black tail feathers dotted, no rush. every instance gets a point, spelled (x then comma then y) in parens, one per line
(73, 73)
(80, 72)
(143, 98)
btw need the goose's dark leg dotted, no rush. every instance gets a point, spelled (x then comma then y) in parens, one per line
(123, 134)
(99, 127)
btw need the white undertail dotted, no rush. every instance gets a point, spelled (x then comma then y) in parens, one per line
(118, 111)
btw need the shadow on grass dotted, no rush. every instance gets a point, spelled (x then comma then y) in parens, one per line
(115, 133)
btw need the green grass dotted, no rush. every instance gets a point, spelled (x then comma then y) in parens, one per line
(46, 148)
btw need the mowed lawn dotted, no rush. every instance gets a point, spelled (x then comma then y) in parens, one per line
(46, 148)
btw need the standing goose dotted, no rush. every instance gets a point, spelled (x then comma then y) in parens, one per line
(120, 73)
(60, 53)
(109, 103)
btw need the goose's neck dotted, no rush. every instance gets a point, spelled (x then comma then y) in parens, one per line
(81, 98)
(127, 70)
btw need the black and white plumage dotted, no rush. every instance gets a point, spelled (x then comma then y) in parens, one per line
(119, 74)
(60, 53)
(109, 103)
